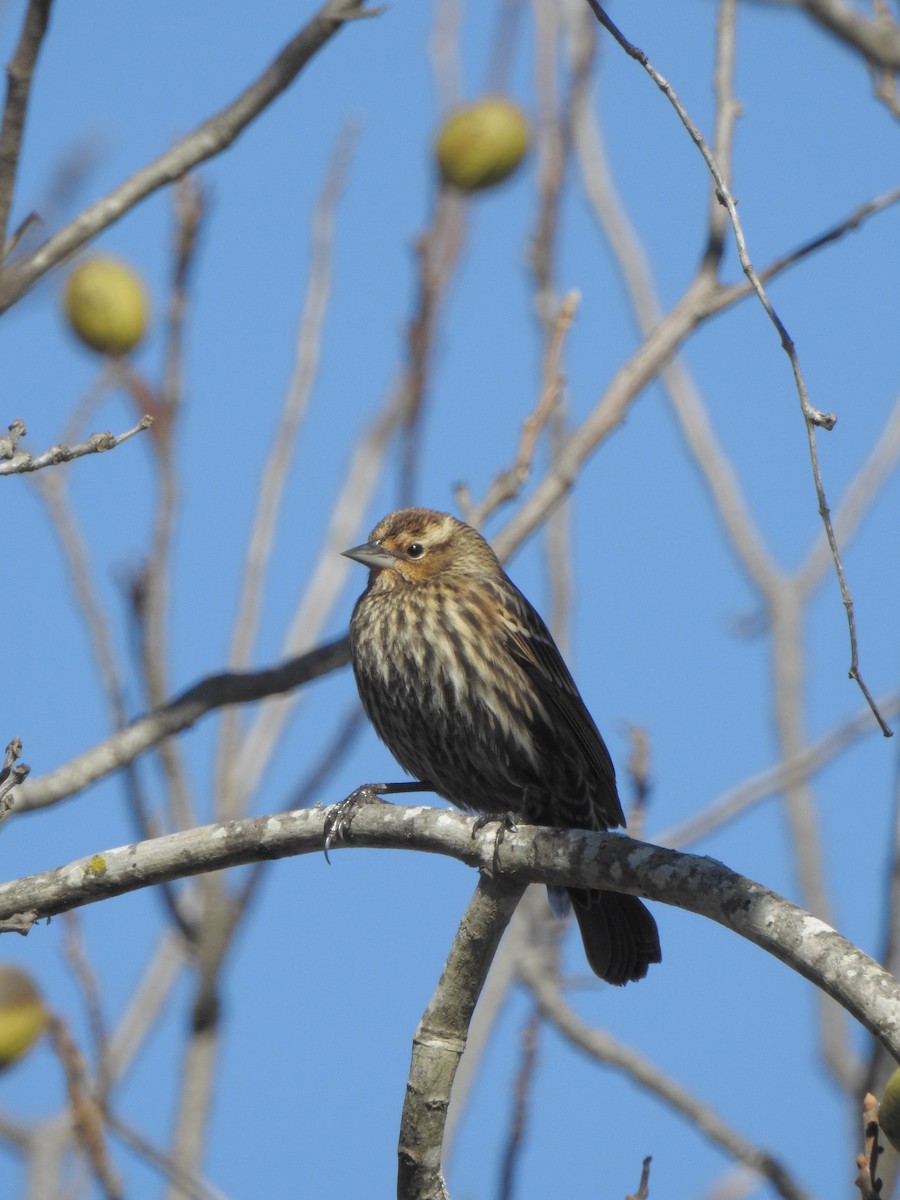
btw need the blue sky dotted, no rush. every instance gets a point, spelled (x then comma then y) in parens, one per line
(334, 965)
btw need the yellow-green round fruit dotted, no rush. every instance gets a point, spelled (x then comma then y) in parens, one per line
(889, 1110)
(23, 1017)
(106, 305)
(481, 144)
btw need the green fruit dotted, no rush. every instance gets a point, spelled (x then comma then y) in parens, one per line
(481, 144)
(106, 305)
(23, 1017)
(889, 1110)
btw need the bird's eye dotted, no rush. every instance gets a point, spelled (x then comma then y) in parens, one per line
(415, 550)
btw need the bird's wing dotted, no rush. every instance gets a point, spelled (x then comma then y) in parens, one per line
(532, 647)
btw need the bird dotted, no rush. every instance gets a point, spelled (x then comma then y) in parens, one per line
(463, 682)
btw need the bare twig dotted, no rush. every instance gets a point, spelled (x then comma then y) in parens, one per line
(11, 775)
(812, 416)
(834, 234)
(206, 141)
(644, 1186)
(188, 1183)
(86, 1113)
(148, 997)
(775, 779)
(521, 1096)
(777, 590)
(609, 1050)
(19, 75)
(9, 443)
(52, 490)
(20, 462)
(876, 38)
(87, 981)
(508, 484)
(635, 373)
(437, 252)
(215, 691)
(859, 495)
(197, 1079)
(325, 581)
(553, 144)
(638, 768)
(867, 1163)
(274, 474)
(332, 755)
(150, 587)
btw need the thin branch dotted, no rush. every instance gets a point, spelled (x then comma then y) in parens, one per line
(327, 578)
(868, 1180)
(206, 141)
(876, 38)
(508, 483)
(702, 300)
(437, 252)
(189, 1184)
(214, 692)
(150, 586)
(527, 854)
(333, 754)
(609, 1051)
(521, 1096)
(643, 1191)
(858, 496)
(197, 1079)
(86, 978)
(12, 774)
(87, 1117)
(610, 412)
(274, 475)
(553, 145)
(849, 224)
(19, 75)
(148, 997)
(812, 416)
(51, 488)
(761, 786)
(488, 1011)
(730, 504)
(20, 462)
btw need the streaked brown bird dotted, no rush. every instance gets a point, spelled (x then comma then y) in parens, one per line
(464, 684)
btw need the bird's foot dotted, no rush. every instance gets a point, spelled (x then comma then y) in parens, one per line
(342, 814)
(506, 823)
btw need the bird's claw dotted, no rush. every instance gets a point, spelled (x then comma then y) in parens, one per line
(506, 823)
(342, 814)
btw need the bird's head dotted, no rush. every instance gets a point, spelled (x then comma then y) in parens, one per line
(419, 546)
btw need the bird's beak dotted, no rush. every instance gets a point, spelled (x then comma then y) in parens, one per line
(371, 554)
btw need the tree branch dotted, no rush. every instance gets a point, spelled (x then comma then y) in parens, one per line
(441, 1037)
(206, 141)
(530, 854)
(124, 746)
(19, 75)
(876, 38)
(605, 1049)
(19, 463)
(812, 416)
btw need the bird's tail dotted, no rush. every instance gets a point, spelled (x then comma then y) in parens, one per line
(619, 934)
